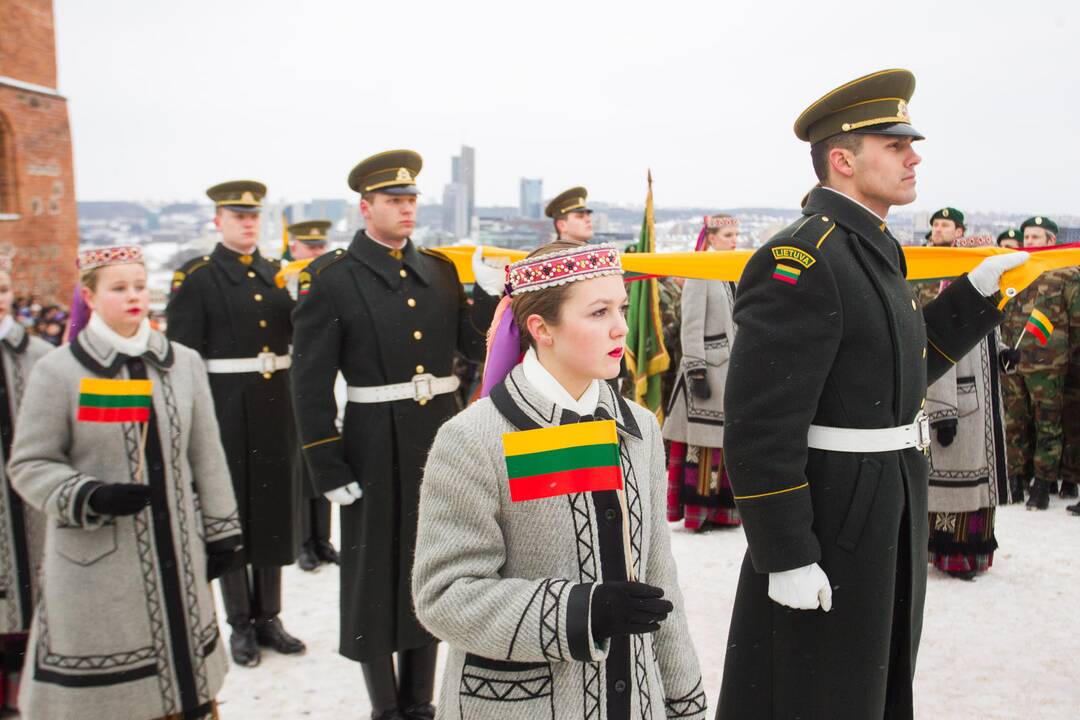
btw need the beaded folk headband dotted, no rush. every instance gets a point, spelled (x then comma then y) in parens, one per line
(100, 257)
(561, 267)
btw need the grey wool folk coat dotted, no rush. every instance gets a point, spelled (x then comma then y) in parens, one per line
(706, 334)
(509, 585)
(126, 626)
(20, 526)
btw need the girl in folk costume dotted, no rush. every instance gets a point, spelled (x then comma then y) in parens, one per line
(20, 527)
(698, 485)
(543, 557)
(968, 471)
(118, 447)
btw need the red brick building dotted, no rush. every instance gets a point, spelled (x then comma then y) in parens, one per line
(38, 217)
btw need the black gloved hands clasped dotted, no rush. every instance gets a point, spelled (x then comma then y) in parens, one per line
(1010, 359)
(945, 430)
(627, 608)
(119, 499)
(698, 384)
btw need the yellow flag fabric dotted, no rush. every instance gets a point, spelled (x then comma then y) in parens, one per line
(924, 263)
(292, 269)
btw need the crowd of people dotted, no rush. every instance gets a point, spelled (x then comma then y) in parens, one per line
(846, 426)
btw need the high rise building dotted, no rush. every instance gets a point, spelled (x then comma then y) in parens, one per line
(532, 198)
(38, 216)
(459, 197)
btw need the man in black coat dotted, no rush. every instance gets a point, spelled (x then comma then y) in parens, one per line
(389, 316)
(227, 306)
(825, 433)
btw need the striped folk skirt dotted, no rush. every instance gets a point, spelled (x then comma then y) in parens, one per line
(962, 541)
(701, 499)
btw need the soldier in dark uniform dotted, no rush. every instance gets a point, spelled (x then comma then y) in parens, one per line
(389, 316)
(227, 306)
(309, 240)
(825, 432)
(571, 215)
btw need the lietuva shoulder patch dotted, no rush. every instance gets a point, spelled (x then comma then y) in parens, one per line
(324, 261)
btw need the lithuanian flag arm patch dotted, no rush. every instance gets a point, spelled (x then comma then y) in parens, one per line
(787, 274)
(114, 401)
(563, 460)
(1040, 326)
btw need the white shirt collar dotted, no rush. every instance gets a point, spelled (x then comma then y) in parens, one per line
(5, 326)
(546, 384)
(133, 346)
(856, 202)
(386, 245)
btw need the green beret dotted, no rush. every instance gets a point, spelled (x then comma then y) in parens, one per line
(1010, 234)
(310, 231)
(393, 172)
(1041, 222)
(949, 214)
(238, 195)
(572, 200)
(875, 104)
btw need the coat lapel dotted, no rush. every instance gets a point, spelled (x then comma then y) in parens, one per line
(848, 214)
(17, 339)
(378, 258)
(99, 356)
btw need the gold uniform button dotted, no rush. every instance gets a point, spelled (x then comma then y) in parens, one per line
(419, 369)
(267, 376)
(410, 302)
(914, 306)
(824, 218)
(251, 274)
(266, 349)
(262, 323)
(258, 297)
(417, 334)
(422, 401)
(402, 273)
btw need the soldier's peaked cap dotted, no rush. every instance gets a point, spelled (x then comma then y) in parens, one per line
(393, 172)
(568, 201)
(875, 104)
(310, 231)
(238, 195)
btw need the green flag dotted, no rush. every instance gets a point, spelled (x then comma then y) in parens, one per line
(646, 356)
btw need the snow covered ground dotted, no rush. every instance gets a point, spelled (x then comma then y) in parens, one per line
(1002, 647)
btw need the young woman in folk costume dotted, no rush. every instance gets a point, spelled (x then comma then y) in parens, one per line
(698, 485)
(543, 557)
(118, 446)
(20, 527)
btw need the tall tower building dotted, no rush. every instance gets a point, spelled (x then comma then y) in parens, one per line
(532, 198)
(463, 173)
(38, 216)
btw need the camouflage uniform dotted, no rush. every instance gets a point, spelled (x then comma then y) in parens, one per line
(1034, 393)
(927, 290)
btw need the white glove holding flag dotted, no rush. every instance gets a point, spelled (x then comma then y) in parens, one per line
(346, 495)
(805, 588)
(490, 273)
(986, 276)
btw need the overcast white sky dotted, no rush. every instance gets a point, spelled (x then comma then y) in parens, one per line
(167, 98)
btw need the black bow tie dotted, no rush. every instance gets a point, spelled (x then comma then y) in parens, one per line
(600, 413)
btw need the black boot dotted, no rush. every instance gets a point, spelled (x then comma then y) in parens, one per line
(1074, 508)
(236, 592)
(1068, 490)
(308, 559)
(1016, 488)
(1040, 496)
(326, 552)
(381, 688)
(268, 628)
(417, 672)
(962, 574)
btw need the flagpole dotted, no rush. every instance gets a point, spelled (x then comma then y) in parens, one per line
(1020, 338)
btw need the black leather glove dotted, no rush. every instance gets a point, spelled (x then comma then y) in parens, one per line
(219, 563)
(627, 608)
(1010, 359)
(119, 499)
(946, 430)
(698, 384)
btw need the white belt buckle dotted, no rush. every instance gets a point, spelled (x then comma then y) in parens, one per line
(923, 423)
(422, 387)
(267, 361)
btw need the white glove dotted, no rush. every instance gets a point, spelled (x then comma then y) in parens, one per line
(986, 276)
(490, 273)
(346, 495)
(805, 588)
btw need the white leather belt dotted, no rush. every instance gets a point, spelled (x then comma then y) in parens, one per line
(421, 389)
(915, 435)
(266, 362)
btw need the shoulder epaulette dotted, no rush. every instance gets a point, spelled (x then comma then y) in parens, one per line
(187, 269)
(813, 230)
(324, 261)
(435, 254)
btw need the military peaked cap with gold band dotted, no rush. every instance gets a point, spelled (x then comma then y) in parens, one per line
(310, 231)
(568, 201)
(393, 172)
(1039, 222)
(238, 195)
(949, 213)
(875, 104)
